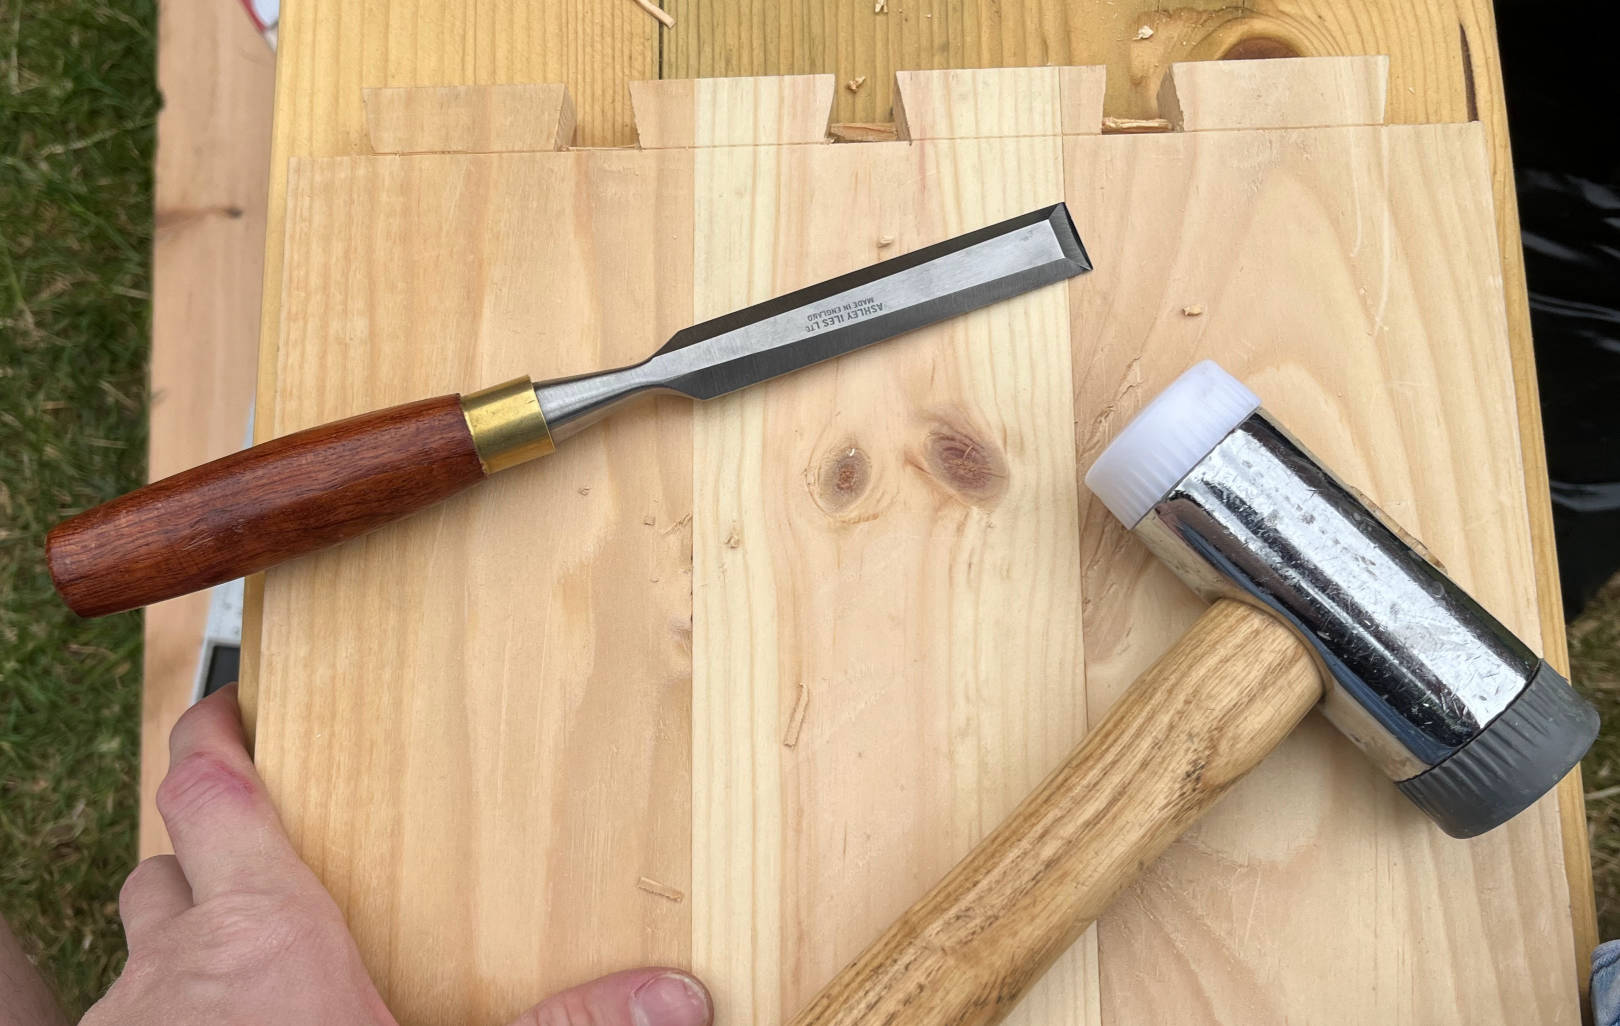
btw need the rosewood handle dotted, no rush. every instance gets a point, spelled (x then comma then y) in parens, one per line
(1199, 719)
(253, 509)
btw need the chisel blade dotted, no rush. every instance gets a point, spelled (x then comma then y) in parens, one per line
(834, 317)
(873, 304)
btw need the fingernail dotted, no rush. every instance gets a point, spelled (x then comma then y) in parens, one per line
(670, 999)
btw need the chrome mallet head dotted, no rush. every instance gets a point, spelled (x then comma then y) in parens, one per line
(1471, 724)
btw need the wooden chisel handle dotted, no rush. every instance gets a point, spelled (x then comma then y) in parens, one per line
(290, 496)
(1202, 716)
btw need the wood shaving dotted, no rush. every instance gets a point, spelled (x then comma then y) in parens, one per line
(884, 242)
(1145, 32)
(584, 491)
(1196, 310)
(862, 131)
(649, 519)
(1134, 126)
(854, 84)
(677, 525)
(796, 720)
(734, 539)
(881, 7)
(664, 17)
(663, 890)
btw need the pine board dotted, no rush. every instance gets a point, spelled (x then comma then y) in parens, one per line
(1443, 68)
(494, 744)
(902, 533)
(1346, 275)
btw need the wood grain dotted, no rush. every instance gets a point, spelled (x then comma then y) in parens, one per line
(977, 103)
(831, 564)
(213, 163)
(732, 111)
(262, 506)
(1347, 277)
(475, 723)
(875, 528)
(469, 119)
(1206, 713)
(1443, 68)
(1290, 92)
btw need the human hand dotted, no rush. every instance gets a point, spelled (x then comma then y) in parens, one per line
(233, 929)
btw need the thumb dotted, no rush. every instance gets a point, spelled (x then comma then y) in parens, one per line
(636, 997)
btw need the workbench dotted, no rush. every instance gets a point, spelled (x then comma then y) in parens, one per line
(1442, 69)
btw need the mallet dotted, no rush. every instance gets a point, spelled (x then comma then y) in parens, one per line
(1314, 600)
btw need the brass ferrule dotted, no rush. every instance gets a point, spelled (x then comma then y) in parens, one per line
(507, 424)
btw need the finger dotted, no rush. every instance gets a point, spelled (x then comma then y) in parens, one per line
(153, 894)
(225, 832)
(639, 997)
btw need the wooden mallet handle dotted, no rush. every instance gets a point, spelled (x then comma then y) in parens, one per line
(1200, 718)
(253, 509)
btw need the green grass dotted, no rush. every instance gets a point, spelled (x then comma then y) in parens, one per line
(78, 99)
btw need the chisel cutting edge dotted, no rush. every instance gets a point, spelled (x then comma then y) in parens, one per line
(321, 486)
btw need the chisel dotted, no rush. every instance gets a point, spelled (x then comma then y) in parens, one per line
(324, 485)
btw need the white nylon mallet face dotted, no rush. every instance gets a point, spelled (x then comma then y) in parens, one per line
(1469, 722)
(1168, 438)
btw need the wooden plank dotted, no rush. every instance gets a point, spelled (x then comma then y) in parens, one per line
(469, 119)
(977, 103)
(732, 111)
(876, 530)
(1288, 92)
(1394, 367)
(210, 183)
(1082, 91)
(477, 734)
(1443, 68)
(332, 50)
(841, 518)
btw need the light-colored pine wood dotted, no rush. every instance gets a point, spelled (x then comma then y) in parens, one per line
(888, 530)
(1206, 713)
(1346, 274)
(971, 103)
(1199, 96)
(469, 119)
(209, 192)
(1443, 68)
(732, 111)
(881, 528)
(1202, 866)
(1081, 92)
(476, 722)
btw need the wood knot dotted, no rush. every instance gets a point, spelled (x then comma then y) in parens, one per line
(842, 478)
(1256, 48)
(970, 468)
